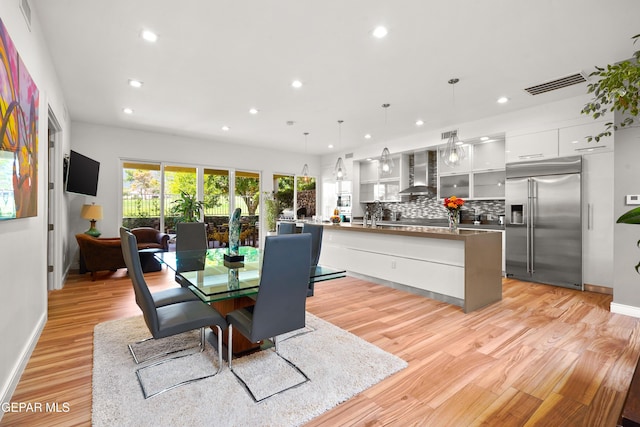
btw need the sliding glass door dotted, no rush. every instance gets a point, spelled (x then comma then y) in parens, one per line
(141, 195)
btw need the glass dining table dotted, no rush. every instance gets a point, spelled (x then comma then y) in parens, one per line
(214, 279)
(230, 286)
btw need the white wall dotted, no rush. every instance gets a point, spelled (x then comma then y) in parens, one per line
(626, 282)
(110, 145)
(23, 306)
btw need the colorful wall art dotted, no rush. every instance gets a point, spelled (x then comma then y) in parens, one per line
(19, 101)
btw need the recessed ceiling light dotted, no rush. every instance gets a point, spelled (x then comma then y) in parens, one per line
(135, 83)
(574, 142)
(127, 110)
(330, 146)
(419, 122)
(253, 111)
(225, 128)
(149, 36)
(367, 136)
(369, 159)
(380, 32)
(503, 100)
(296, 84)
(484, 138)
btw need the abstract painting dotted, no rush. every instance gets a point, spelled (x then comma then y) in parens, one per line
(19, 101)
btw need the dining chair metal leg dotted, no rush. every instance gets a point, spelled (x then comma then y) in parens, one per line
(275, 348)
(202, 340)
(200, 347)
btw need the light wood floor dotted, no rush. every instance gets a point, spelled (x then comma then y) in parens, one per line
(542, 356)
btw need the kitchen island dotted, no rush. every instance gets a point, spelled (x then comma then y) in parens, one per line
(461, 268)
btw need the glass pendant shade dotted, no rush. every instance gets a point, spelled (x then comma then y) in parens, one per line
(305, 172)
(454, 152)
(339, 171)
(386, 162)
(305, 168)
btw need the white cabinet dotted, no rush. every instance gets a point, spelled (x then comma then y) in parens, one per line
(385, 188)
(533, 146)
(480, 176)
(573, 140)
(369, 171)
(489, 185)
(463, 166)
(597, 219)
(489, 155)
(454, 185)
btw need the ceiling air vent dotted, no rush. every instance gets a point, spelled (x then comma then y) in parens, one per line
(556, 84)
(348, 155)
(449, 134)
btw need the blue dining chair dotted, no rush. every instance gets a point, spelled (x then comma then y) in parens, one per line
(287, 228)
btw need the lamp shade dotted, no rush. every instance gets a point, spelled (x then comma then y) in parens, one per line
(91, 211)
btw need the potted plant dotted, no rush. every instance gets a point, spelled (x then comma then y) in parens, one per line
(272, 209)
(187, 208)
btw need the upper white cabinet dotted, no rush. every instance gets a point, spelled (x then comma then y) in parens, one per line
(480, 175)
(463, 166)
(533, 146)
(489, 155)
(573, 140)
(368, 171)
(385, 188)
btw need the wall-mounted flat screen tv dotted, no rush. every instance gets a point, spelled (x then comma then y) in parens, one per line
(82, 174)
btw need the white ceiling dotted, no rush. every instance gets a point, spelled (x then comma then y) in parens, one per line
(216, 59)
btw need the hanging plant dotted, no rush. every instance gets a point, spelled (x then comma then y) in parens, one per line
(617, 89)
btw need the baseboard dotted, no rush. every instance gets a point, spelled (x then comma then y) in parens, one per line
(599, 289)
(627, 310)
(11, 385)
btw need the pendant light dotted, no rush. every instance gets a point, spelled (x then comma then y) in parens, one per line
(305, 168)
(386, 162)
(339, 170)
(454, 151)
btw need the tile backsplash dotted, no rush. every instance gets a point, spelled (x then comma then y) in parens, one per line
(423, 207)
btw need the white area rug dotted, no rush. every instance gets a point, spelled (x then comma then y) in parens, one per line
(339, 364)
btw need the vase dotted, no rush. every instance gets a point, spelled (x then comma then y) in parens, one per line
(454, 220)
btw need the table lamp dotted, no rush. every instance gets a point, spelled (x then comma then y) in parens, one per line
(92, 212)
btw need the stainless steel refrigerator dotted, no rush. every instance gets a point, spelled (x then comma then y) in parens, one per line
(544, 221)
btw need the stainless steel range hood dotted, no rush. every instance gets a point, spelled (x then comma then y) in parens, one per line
(420, 186)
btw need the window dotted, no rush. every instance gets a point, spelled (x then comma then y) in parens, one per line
(179, 181)
(141, 195)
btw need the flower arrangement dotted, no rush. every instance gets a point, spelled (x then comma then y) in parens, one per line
(453, 205)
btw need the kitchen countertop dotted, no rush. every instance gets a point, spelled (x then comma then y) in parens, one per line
(443, 222)
(412, 230)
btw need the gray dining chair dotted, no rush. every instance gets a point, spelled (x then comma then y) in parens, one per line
(190, 236)
(287, 228)
(168, 320)
(316, 246)
(280, 303)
